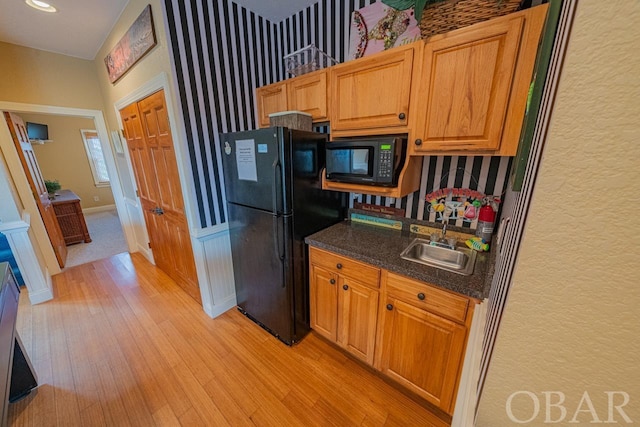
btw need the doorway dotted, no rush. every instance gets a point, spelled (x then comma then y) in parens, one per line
(23, 198)
(153, 158)
(72, 157)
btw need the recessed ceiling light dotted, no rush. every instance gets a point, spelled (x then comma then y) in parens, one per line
(40, 5)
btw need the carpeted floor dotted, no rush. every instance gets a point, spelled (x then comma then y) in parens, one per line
(107, 239)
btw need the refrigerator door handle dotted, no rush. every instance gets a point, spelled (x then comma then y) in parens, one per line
(276, 242)
(279, 250)
(274, 187)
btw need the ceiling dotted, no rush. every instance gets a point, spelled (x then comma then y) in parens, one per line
(80, 27)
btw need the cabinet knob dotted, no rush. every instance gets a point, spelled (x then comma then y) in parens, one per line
(389, 307)
(401, 116)
(345, 287)
(338, 266)
(421, 296)
(418, 142)
(332, 281)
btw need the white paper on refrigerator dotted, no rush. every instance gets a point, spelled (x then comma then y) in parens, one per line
(246, 160)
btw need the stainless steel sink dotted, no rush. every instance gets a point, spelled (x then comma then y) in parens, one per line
(459, 260)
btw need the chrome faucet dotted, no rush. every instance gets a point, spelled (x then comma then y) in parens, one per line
(443, 241)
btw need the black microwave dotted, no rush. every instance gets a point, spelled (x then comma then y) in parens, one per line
(373, 161)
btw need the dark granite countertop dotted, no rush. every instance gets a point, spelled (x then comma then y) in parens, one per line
(382, 247)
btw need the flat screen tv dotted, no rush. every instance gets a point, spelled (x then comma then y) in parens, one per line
(37, 131)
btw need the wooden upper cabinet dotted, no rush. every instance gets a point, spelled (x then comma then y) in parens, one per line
(464, 87)
(371, 95)
(472, 86)
(308, 93)
(270, 99)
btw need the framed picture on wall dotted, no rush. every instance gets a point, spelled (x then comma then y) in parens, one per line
(137, 41)
(117, 142)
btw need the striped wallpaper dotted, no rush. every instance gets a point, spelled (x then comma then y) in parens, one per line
(221, 52)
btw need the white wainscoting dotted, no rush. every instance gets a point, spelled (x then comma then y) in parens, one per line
(464, 414)
(212, 252)
(37, 280)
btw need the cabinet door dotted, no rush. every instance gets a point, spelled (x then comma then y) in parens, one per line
(270, 99)
(358, 309)
(324, 302)
(308, 93)
(372, 92)
(422, 351)
(464, 89)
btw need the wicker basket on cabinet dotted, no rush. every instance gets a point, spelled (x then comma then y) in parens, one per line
(441, 17)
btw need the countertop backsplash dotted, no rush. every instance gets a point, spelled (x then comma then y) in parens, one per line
(485, 174)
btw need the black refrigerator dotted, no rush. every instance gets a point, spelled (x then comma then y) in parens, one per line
(274, 200)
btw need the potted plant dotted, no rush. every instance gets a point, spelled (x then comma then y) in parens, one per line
(52, 187)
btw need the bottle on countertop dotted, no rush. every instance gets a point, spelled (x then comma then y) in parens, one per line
(486, 218)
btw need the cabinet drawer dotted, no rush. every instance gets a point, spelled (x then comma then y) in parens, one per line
(425, 296)
(347, 267)
(65, 209)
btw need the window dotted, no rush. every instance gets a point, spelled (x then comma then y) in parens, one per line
(96, 157)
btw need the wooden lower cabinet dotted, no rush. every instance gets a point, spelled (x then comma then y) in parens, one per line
(324, 302)
(343, 309)
(422, 351)
(358, 312)
(422, 337)
(413, 332)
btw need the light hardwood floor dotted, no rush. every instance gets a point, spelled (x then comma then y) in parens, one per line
(122, 344)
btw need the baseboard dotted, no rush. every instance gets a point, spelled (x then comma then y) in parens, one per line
(218, 309)
(146, 252)
(97, 209)
(40, 296)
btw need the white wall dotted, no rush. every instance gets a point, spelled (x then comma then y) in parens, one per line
(571, 323)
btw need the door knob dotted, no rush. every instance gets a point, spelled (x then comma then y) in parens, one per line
(332, 281)
(389, 307)
(401, 116)
(421, 296)
(345, 287)
(418, 142)
(338, 266)
(157, 210)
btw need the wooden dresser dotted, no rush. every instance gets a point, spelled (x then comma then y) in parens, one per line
(67, 208)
